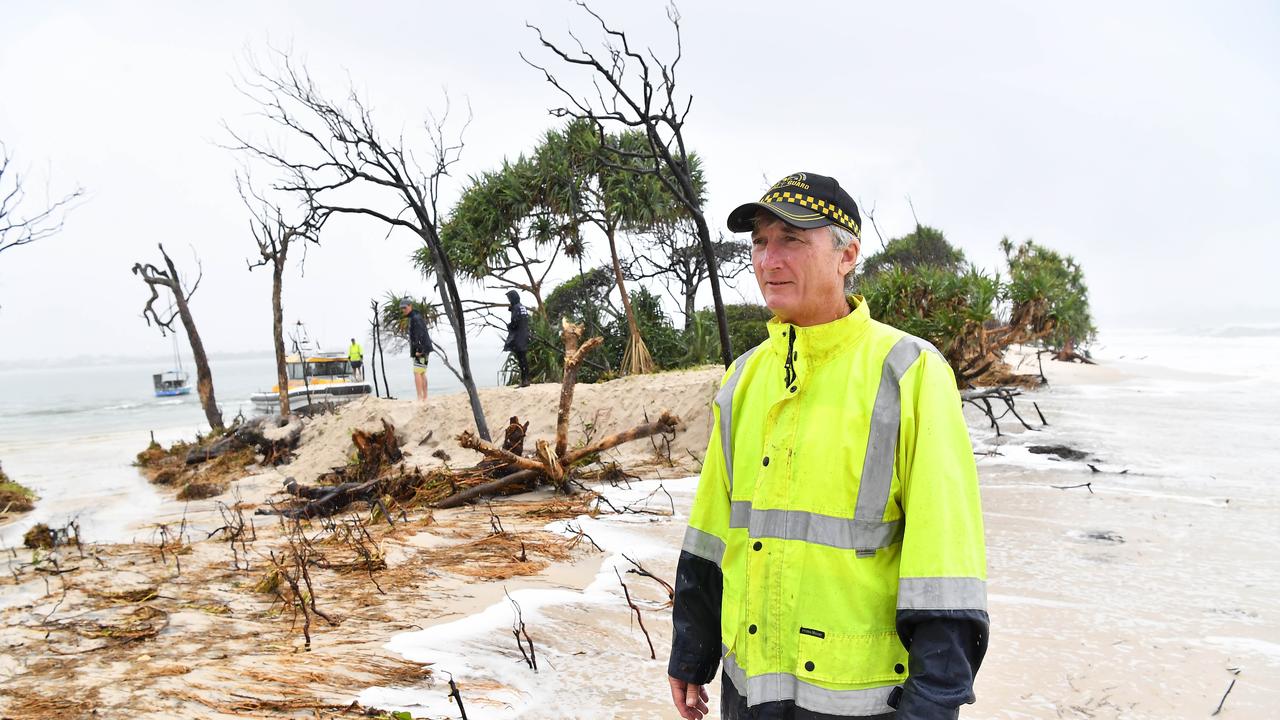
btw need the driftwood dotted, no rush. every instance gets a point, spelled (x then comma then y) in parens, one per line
(982, 399)
(378, 473)
(489, 488)
(626, 594)
(268, 435)
(552, 461)
(366, 479)
(325, 501)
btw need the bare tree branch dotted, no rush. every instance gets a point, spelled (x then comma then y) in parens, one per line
(19, 223)
(638, 90)
(336, 154)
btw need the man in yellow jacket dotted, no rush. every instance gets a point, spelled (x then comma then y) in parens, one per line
(355, 354)
(834, 563)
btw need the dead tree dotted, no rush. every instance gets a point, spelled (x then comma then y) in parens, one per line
(373, 347)
(337, 153)
(274, 237)
(19, 223)
(636, 90)
(673, 255)
(168, 278)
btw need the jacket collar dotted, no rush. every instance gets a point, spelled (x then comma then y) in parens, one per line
(817, 343)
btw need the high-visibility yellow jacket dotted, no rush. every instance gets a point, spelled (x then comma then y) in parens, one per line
(355, 352)
(838, 504)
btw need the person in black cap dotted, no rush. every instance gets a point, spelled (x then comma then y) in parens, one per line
(806, 202)
(834, 562)
(518, 336)
(420, 346)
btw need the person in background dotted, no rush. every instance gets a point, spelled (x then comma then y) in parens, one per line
(518, 336)
(834, 563)
(419, 346)
(356, 355)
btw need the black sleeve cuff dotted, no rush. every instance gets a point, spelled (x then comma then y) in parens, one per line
(686, 667)
(946, 649)
(913, 706)
(695, 616)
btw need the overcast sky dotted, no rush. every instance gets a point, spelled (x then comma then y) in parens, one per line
(1139, 137)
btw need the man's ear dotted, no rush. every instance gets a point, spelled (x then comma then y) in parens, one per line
(849, 257)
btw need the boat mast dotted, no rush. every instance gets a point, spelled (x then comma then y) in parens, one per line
(177, 357)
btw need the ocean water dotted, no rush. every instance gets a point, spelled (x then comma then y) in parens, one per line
(70, 433)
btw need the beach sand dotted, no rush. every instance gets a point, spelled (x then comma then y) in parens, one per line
(1135, 600)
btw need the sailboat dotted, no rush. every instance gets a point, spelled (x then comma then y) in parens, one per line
(173, 382)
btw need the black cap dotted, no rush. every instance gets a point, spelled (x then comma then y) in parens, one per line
(803, 200)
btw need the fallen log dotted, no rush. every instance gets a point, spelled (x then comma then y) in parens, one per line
(488, 488)
(470, 441)
(326, 504)
(666, 423)
(273, 441)
(551, 462)
(367, 479)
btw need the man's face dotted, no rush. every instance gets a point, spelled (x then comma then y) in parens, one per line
(800, 272)
(406, 309)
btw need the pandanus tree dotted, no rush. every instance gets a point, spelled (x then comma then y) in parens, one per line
(501, 232)
(588, 183)
(1047, 292)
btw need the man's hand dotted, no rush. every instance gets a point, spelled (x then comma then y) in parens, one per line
(690, 699)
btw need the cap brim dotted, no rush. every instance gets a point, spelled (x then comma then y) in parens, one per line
(742, 218)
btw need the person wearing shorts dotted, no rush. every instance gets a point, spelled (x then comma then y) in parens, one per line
(420, 346)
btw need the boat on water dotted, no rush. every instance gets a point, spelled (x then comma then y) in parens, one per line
(171, 383)
(315, 379)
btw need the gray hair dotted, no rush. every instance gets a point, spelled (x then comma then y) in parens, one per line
(841, 237)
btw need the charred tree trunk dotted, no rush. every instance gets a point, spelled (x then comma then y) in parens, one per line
(204, 377)
(453, 311)
(277, 329)
(373, 347)
(708, 254)
(382, 361)
(690, 294)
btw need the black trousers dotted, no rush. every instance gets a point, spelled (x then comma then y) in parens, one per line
(734, 707)
(522, 359)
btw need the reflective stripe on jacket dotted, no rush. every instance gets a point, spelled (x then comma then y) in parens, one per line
(839, 492)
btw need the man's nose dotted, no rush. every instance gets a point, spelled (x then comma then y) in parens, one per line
(769, 256)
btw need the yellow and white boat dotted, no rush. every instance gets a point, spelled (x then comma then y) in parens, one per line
(321, 378)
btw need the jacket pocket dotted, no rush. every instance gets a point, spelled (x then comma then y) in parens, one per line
(873, 659)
